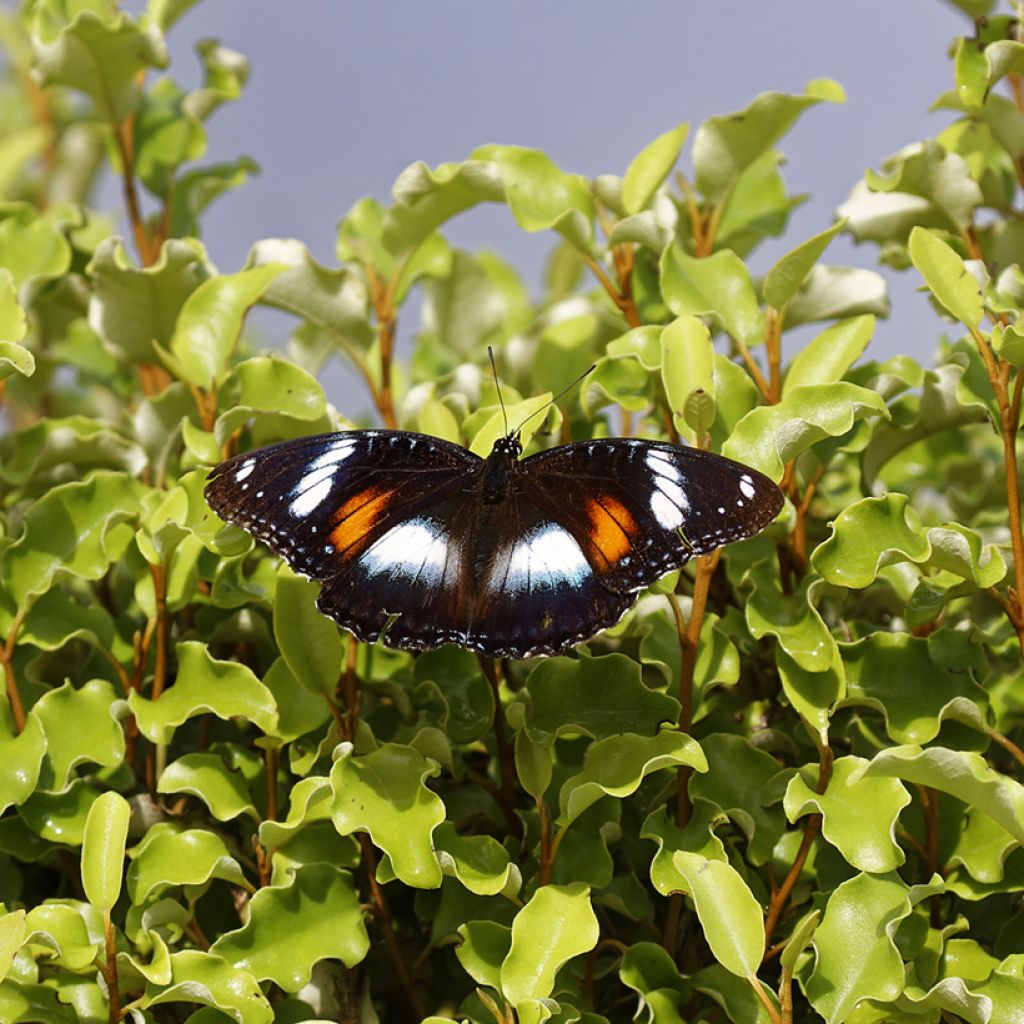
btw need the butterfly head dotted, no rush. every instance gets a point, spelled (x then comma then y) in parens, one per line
(509, 445)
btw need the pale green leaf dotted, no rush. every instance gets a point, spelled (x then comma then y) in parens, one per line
(106, 832)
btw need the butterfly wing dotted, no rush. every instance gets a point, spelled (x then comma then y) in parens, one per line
(640, 509)
(363, 512)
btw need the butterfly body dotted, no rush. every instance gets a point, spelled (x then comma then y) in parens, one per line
(424, 543)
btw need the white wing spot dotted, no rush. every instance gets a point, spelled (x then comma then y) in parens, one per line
(411, 550)
(543, 557)
(338, 452)
(667, 514)
(310, 499)
(747, 486)
(244, 470)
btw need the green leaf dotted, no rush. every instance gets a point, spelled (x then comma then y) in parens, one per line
(80, 729)
(207, 777)
(70, 531)
(946, 276)
(32, 247)
(932, 173)
(484, 947)
(106, 831)
(65, 929)
(835, 293)
(210, 323)
(480, 863)
(60, 817)
(859, 812)
(877, 532)
(266, 387)
(21, 757)
(294, 926)
(12, 934)
(828, 356)
(728, 912)
(792, 619)
(687, 366)
(650, 167)
(813, 693)
(204, 978)
(167, 858)
(334, 300)
(770, 436)
(738, 780)
(14, 358)
(725, 146)
(961, 774)
(194, 190)
(788, 274)
(913, 688)
(718, 286)
(467, 694)
(384, 793)
(617, 765)
(556, 924)
(596, 696)
(848, 968)
(541, 195)
(308, 641)
(104, 57)
(222, 688)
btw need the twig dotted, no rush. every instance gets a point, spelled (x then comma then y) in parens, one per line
(547, 861)
(755, 984)
(1008, 745)
(383, 916)
(506, 753)
(10, 680)
(110, 969)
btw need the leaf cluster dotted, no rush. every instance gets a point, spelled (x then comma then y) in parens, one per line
(785, 788)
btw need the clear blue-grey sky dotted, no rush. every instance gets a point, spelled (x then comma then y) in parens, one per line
(344, 95)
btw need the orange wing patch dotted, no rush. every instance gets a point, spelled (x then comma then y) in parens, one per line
(610, 527)
(358, 516)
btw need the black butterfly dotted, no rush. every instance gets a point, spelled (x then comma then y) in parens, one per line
(424, 543)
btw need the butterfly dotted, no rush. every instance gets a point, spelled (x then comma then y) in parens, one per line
(422, 542)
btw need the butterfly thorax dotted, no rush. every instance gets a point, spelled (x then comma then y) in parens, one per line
(498, 469)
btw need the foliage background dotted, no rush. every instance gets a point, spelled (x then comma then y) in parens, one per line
(784, 788)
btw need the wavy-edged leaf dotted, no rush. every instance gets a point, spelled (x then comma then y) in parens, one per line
(70, 531)
(687, 365)
(204, 684)
(21, 758)
(309, 642)
(960, 773)
(616, 766)
(945, 274)
(167, 857)
(385, 794)
(788, 274)
(314, 916)
(772, 435)
(856, 956)
(730, 916)
(825, 359)
(556, 924)
(480, 863)
(859, 812)
(206, 776)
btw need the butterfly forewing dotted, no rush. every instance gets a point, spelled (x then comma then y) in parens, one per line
(643, 508)
(320, 501)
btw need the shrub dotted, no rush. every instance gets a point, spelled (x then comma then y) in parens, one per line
(783, 789)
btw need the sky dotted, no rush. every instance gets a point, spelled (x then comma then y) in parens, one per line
(344, 95)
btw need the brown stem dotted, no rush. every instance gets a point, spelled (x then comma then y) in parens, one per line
(930, 807)
(781, 896)
(7, 664)
(588, 978)
(160, 631)
(110, 969)
(696, 218)
(711, 225)
(803, 508)
(1008, 745)
(350, 692)
(762, 996)
(339, 722)
(626, 306)
(753, 369)
(383, 915)
(773, 347)
(124, 137)
(506, 752)
(382, 297)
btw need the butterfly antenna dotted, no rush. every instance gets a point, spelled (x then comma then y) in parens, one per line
(564, 391)
(494, 370)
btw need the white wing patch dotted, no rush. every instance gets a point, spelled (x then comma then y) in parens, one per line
(541, 559)
(413, 550)
(311, 490)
